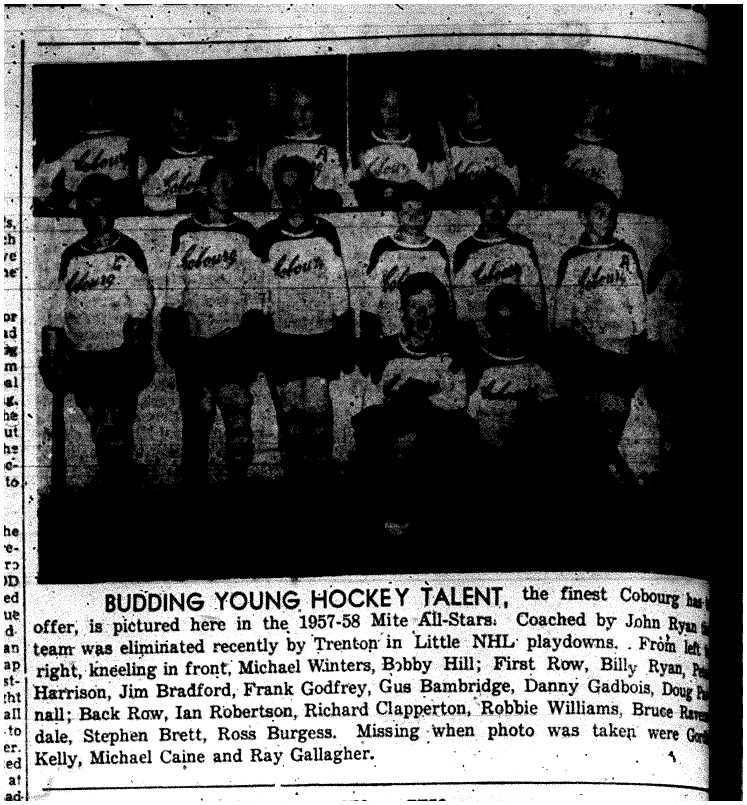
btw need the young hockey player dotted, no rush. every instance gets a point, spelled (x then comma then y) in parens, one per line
(495, 255)
(419, 433)
(475, 155)
(304, 139)
(590, 162)
(600, 323)
(101, 149)
(171, 173)
(511, 387)
(97, 343)
(408, 251)
(211, 325)
(391, 157)
(309, 302)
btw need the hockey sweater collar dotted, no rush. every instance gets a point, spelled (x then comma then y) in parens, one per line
(585, 243)
(481, 237)
(116, 237)
(407, 245)
(504, 359)
(391, 140)
(464, 140)
(314, 137)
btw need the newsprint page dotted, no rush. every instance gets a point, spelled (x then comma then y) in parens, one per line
(368, 403)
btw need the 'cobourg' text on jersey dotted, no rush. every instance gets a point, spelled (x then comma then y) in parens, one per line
(98, 290)
(214, 274)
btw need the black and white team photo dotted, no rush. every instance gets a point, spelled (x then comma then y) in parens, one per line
(309, 313)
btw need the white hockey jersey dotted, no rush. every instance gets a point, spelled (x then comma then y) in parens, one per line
(177, 174)
(305, 276)
(481, 263)
(98, 289)
(507, 394)
(600, 294)
(214, 274)
(328, 172)
(394, 162)
(596, 163)
(391, 262)
(474, 160)
(101, 152)
(447, 385)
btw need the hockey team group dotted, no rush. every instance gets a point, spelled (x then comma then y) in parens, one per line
(463, 359)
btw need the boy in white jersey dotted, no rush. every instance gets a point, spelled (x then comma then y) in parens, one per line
(304, 139)
(171, 174)
(419, 431)
(101, 149)
(510, 387)
(97, 343)
(309, 303)
(600, 323)
(390, 157)
(408, 251)
(211, 325)
(495, 255)
(475, 155)
(590, 162)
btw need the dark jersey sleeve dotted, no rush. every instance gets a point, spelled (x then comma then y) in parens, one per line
(73, 250)
(328, 231)
(132, 248)
(382, 245)
(180, 229)
(462, 254)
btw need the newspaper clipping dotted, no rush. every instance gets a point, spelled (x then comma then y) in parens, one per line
(347, 404)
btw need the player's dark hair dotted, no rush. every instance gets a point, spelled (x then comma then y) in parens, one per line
(97, 185)
(412, 191)
(511, 296)
(299, 165)
(597, 192)
(496, 184)
(424, 281)
(214, 167)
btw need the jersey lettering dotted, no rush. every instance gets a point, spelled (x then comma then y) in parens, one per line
(289, 268)
(495, 272)
(591, 278)
(205, 259)
(90, 161)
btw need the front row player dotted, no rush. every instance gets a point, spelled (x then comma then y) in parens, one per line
(312, 322)
(419, 436)
(211, 325)
(600, 324)
(97, 343)
(513, 397)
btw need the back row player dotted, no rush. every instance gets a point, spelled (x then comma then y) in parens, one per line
(165, 179)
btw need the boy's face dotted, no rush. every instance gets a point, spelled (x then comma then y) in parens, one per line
(472, 110)
(220, 191)
(292, 192)
(413, 217)
(180, 125)
(389, 111)
(228, 128)
(302, 111)
(95, 215)
(506, 328)
(600, 220)
(495, 213)
(420, 314)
